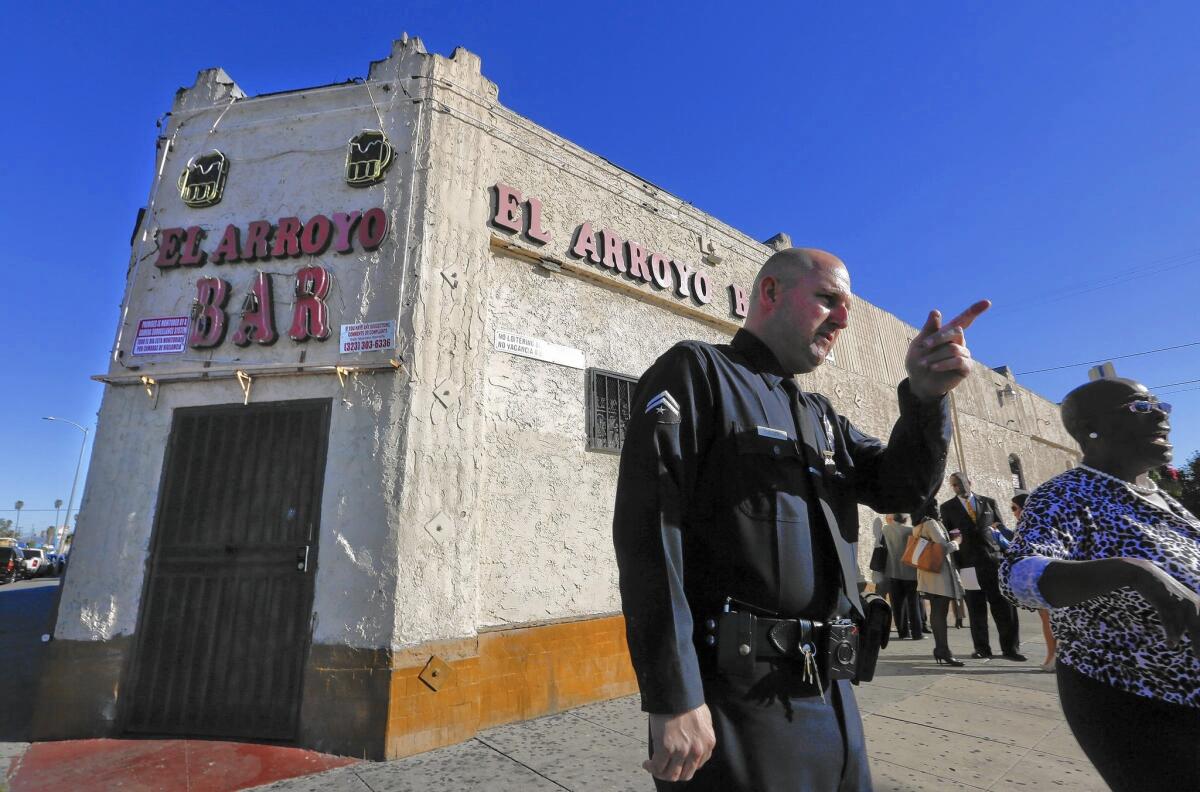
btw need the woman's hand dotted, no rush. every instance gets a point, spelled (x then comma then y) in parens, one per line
(1177, 605)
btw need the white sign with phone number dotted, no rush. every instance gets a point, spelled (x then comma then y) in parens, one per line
(368, 337)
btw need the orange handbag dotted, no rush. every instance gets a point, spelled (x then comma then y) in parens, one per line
(923, 554)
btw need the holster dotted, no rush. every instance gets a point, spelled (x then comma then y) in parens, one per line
(876, 628)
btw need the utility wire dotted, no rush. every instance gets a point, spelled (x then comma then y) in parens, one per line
(1173, 384)
(1154, 267)
(1105, 360)
(1181, 390)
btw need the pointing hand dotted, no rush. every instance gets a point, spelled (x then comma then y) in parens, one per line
(938, 358)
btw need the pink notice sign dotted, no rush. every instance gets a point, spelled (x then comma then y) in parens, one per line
(165, 335)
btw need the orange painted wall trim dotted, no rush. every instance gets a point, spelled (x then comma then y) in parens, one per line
(517, 675)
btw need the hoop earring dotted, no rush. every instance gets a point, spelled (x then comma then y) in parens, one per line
(1093, 435)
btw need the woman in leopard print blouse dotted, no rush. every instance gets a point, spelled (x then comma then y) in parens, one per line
(1117, 563)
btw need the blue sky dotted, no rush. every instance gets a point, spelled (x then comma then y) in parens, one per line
(1031, 153)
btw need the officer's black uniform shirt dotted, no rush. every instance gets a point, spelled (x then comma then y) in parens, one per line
(718, 496)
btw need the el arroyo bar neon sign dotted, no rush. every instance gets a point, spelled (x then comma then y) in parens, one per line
(261, 240)
(606, 249)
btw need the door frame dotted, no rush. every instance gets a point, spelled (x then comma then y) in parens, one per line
(129, 675)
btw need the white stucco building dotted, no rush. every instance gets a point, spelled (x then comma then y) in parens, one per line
(379, 541)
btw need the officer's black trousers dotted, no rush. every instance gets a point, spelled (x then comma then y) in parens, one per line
(774, 734)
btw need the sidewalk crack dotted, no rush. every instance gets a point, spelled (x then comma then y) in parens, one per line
(947, 731)
(487, 744)
(1056, 719)
(363, 781)
(1004, 777)
(601, 725)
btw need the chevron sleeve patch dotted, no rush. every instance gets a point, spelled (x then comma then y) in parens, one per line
(664, 406)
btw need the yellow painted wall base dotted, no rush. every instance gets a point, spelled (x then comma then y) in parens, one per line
(517, 675)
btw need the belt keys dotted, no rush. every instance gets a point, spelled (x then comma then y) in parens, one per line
(811, 673)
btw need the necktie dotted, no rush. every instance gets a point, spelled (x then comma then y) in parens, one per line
(971, 509)
(821, 517)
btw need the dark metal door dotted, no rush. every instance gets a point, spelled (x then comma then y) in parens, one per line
(224, 624)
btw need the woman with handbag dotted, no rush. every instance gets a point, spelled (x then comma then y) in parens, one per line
(942, 587)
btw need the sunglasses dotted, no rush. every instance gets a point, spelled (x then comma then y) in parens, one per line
(1148, 405)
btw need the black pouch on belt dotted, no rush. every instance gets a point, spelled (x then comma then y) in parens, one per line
(877, 626)
(736, 647)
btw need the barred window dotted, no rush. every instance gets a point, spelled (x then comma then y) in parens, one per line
(608, 409)
(1018, 473)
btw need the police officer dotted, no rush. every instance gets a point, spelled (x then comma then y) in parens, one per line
(736, 498)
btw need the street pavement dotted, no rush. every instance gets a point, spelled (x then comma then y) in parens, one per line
(991, 725)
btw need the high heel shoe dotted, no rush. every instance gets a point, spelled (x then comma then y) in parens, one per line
(946, 658)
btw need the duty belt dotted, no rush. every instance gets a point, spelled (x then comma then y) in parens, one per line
(786, 637)
(742, 639)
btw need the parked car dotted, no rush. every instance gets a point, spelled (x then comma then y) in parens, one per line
(35, 562)
(12, 564)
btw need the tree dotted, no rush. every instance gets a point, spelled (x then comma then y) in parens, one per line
(6, 529)
(1169, 479)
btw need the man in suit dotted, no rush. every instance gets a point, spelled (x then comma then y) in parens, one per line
(973, 519)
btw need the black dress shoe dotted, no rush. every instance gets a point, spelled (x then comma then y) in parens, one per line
(981, 655)
(1015, 656)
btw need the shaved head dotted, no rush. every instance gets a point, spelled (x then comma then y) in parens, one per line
(799, 304)
(787, 266)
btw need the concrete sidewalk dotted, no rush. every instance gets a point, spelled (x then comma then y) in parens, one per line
(992, 725)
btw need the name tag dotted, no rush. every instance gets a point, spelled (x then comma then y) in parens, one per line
(778, 434)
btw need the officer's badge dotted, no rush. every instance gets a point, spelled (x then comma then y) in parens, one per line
(828, 451)
(368, 155)
(664, 407)
(203, 180)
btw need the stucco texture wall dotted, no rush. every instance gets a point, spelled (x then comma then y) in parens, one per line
(545, 503)
(355, 575)
(287, 155)
(547, 552)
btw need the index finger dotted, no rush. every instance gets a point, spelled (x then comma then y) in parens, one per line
(964, 319)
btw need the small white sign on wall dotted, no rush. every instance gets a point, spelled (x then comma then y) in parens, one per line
(163, 335)
(525, 346)
(368, 336)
